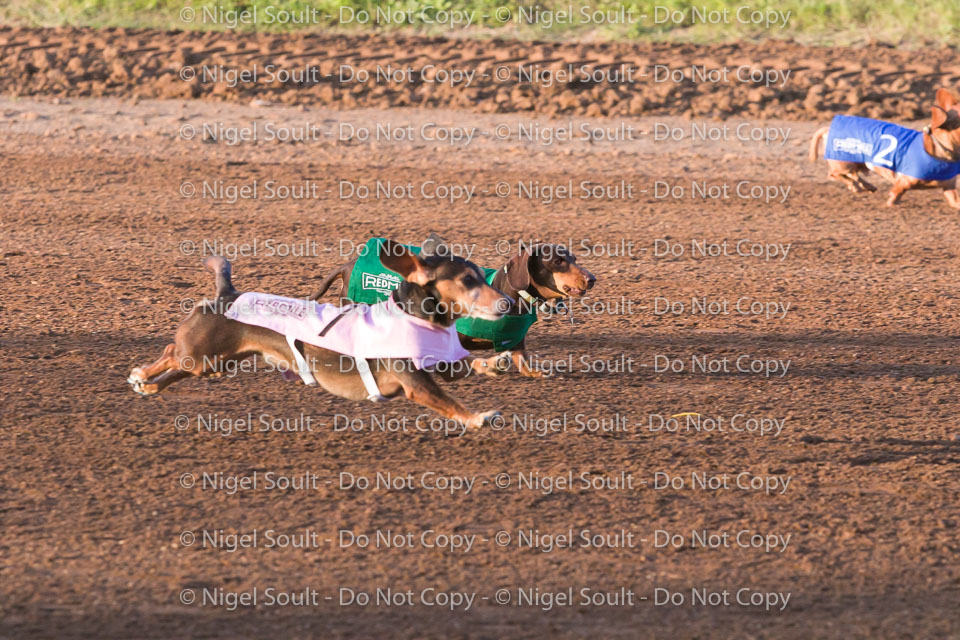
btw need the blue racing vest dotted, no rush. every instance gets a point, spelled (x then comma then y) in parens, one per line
(884, 144)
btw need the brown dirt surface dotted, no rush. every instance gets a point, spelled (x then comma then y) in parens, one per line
(99, 249)
(601, 79)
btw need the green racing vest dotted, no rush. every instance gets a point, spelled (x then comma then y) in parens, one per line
(371, 282)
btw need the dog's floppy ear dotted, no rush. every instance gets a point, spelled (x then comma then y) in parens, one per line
(937, 117)
(946, 101)
(518, 270)
(434, 245)
(394, 256)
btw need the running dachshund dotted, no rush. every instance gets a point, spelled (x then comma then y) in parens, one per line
(438, 289)
(910, 159)
(539, 274)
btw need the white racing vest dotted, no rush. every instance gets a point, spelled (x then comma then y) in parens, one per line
(360, 331)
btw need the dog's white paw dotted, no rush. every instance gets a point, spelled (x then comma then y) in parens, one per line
(493, 366)
(503, 362)
(136, 376)
(144, 389)
(484, 418)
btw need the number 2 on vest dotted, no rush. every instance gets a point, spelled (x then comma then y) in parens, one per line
(883, 156)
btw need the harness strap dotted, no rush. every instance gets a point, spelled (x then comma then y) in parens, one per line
(369, 382)
(303, 370)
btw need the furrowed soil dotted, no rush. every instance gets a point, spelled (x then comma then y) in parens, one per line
(775, 79)
(101, 255)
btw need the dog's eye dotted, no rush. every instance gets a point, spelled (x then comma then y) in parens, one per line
(469, 280)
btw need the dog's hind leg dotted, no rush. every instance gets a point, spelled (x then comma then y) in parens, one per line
(158, 375)
(864, 185)
(953, 198)
(853, 180)
(155, 368)
(849, 174)
(161, 382)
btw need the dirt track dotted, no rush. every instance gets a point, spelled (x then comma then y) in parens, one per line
(604, 79)
(99, 249)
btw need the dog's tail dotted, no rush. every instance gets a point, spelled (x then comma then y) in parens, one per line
(221, 269)
(815, 143)
(325, 284)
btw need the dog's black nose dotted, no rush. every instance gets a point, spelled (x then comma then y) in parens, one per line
(591, 280)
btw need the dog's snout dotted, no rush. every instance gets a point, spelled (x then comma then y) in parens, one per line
(586, 280)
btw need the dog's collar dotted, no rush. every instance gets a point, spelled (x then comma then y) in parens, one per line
(954, 157)
(529, 298)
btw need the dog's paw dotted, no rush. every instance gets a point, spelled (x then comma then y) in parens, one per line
(531, 372)
(483, 419)
(503, 361)
(144, 389)
(136, 376)
(494, 366)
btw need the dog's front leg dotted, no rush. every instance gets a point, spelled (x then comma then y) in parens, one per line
(493, 366)
(420, 387)
(900, 186)
(523, 364)
(950, 193)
